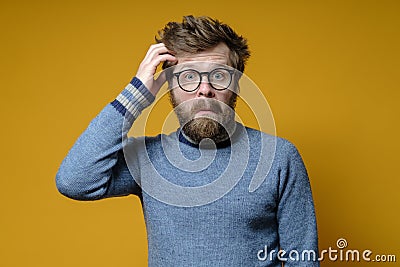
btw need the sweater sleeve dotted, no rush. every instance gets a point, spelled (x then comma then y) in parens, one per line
(95, 167)
(297, 226)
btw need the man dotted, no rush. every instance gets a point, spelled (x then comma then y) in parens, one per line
(194, 183)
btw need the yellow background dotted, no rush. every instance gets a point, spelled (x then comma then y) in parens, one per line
(329, 69)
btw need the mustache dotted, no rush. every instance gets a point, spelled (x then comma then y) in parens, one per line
(206, 104)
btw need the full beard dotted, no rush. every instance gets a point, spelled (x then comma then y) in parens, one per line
(217, 127)
(201, 128)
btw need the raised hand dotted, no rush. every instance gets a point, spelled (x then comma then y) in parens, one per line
(156, 54)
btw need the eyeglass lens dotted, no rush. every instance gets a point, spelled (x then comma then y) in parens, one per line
(219, 79)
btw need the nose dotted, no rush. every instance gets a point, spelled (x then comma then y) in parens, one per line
(205, 89)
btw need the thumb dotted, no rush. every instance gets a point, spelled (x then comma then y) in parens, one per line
(159, 81)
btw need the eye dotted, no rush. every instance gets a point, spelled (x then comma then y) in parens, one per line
(189, 76)
(219, 75)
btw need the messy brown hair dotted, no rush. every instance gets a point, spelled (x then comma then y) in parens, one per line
(196, 34)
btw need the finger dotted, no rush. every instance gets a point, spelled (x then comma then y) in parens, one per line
(154, 51)
(147, 71)
(161, 58)
(152, 65)
(153, 47)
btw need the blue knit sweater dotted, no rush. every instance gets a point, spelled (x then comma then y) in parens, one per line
(237, 206)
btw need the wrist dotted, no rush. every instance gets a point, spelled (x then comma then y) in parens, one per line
(133, 99)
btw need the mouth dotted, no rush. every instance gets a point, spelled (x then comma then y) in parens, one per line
(205, 112)
(205, 108)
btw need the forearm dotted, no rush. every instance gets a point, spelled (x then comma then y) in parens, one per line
(95, 167)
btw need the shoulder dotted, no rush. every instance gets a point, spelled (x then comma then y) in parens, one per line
(282, 143)
(284, 149)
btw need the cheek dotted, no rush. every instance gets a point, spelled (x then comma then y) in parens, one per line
(224, 96)
(181, 96)
(172, 83)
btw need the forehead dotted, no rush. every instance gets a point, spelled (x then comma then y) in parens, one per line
(218, 54)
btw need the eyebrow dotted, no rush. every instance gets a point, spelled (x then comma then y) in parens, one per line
(182, 66)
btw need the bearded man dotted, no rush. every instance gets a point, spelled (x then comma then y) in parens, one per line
(194, 183)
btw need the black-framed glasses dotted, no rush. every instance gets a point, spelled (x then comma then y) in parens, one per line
(189, 80)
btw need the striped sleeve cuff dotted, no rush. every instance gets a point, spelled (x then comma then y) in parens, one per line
(133, 99)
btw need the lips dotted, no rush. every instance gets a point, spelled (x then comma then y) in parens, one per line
(205, 111)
